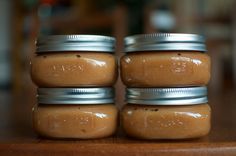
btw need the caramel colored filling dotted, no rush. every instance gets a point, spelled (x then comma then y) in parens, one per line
(67, 69)
(75, 121)
(165, 69)
(166, 122)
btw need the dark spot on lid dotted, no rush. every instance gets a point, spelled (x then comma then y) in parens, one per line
(179, 54)
(78, 56)
(44, 56)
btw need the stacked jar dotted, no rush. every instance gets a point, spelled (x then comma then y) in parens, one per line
(75, 75)
(166, 77)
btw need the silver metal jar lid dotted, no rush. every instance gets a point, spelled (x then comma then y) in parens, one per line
(55, 43)
(75, 95)
(167, 96)
(165, 42)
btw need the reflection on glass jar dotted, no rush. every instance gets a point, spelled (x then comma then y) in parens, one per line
(75, 121)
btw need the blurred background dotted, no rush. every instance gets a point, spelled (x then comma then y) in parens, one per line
(22, 21)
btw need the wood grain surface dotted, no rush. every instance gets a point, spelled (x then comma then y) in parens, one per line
(18, 138)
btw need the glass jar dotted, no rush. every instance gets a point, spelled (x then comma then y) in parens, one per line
(74, 61)
(83, 113)
(165, 60)
(166, 113)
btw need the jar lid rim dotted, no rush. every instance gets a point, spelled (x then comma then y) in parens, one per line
(164, 42)
(75, 95)
(60, 43)
(167, 96)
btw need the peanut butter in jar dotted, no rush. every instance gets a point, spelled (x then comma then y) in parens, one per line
(74, 60)
(165, 60)
(78, 113)
(166, 113)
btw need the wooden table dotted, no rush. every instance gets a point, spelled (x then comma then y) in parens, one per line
(18, 138)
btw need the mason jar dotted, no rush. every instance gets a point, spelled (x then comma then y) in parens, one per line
(166, 113)
(165, 60)
(81, 113)
(74, 61)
